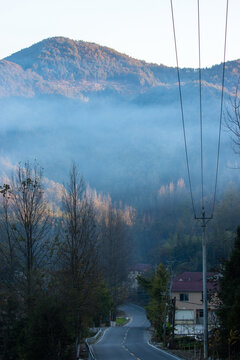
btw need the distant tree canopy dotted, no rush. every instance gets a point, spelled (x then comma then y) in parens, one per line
(166, 230)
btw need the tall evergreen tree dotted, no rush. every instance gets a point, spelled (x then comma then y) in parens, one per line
(157, 288)
(229, 312)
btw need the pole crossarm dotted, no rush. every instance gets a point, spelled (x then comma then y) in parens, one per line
(203, 218)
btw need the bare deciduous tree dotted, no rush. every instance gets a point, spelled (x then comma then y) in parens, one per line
(79, 248)
(232, 121)
(115, 254)
(25, 223)
(7, 249)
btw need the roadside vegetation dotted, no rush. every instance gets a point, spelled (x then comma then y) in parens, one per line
(60, 273)
(224, 339)
(121, 321)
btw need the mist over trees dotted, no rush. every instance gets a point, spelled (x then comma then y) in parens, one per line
(122, 148)
(167, 231)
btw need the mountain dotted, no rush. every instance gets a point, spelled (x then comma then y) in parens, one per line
(117, 117)
(79, 69)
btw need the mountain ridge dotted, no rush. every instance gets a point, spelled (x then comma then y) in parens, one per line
(79, 69)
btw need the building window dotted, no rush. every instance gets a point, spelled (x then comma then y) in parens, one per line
(199, 313)
(184, 297)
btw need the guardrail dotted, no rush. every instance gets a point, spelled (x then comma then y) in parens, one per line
(91, 355)
(89, 343)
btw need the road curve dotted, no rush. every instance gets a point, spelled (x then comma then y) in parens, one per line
(130, 341)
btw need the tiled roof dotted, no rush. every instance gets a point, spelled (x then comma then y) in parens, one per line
(192, 282)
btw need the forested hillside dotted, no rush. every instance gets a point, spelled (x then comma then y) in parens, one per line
(79, 69)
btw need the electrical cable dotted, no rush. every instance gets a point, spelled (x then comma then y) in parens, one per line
(182, 113)
(201, 125)
(200, 103)
(221, 112)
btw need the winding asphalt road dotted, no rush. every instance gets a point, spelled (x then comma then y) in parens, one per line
(129, 342)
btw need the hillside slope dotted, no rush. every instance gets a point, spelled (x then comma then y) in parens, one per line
(80, 69)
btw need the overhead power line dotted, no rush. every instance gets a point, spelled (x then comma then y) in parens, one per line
(182, 113)
(200, 105)
(200, 102)
(203, 217)
(221, 111)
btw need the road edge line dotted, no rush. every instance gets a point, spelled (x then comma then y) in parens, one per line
(129, 322)
(164, 351)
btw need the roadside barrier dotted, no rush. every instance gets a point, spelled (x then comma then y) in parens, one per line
(89, 343)
(90, 351)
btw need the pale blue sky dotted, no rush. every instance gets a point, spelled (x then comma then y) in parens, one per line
(139, 28)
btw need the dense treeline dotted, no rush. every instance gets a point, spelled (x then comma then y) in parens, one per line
(166, 230)
(57, 277)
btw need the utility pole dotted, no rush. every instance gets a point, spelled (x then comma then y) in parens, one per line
(204, 268)
(204, 221)
(165, 317)
(173, 320)
(168, 296)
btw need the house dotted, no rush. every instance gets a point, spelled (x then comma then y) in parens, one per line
(187, 288)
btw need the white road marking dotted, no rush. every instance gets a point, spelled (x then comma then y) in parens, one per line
(129, 322)
(164, 352)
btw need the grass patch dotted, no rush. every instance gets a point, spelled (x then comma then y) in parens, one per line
(120, 321)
